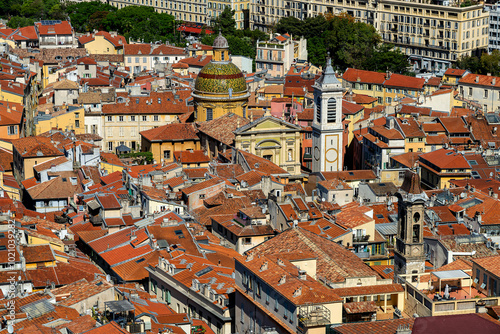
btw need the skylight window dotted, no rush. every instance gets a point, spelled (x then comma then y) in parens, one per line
(203, 271)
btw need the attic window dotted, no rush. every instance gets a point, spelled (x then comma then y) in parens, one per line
(159, 101)
(58, 58)
(379, 216)
(136, 101)
(387, 270)
(473, 162)
(178, 232)
(140, 260)
(64, 179)
(326, 228)
(475, 175)
(2, 235)
(351, 173)
(98, 283)
(2, 247)
(382, 184)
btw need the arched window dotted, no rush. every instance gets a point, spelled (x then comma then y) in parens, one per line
(332, 110)
(318, 110)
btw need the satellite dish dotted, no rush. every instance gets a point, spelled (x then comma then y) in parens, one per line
(10, 329)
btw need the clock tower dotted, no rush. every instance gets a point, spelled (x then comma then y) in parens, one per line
(328, 153)
(409, 253)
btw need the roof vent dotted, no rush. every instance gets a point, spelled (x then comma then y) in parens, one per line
(477, 78)
(282, 280)
(297, 292)
(264, 266)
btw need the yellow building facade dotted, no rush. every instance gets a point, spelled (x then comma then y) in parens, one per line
(66, 119)
(220, 87)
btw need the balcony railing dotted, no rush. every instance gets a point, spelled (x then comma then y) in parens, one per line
(362, 238)
(313, 315)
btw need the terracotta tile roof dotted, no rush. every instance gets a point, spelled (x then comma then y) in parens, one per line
(111, 158)
(403, 81)
(410, 128)
(334, 184)
(62, 28)
(352, 175)
(374, 327)
(480, 80)
(334, 263)
(111, 241)
(386, 271)
(164, 49)
(6, 159)
(408, 159)
(354, 75)
(135, 270)
(454, 72)
(433, 81)
(109, 328)
(49, 163)
(324, 228)
(235, 227)
(360, 307)
(35, 254)
(222, 127)
(369, 290)
(156, 103)
(433, 127)
(177, 235)
(445, 159)
(297, 290)
(124, 253)
(56, 188)
(195, 173)
(409, 109)
(35, 146)
(202, 185)
(454, 125)
(109, 202)
(191, 156)
(116, 40)
(349, 108)
(171, 132)
(470, 323)
(490, 263)
(198, 61)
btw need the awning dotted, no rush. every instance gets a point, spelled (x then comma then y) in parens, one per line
(450, 274)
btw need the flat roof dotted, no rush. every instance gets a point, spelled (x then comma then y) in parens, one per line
(450, 274)
(117, 306)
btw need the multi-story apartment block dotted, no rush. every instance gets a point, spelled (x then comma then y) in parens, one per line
(121, 123)
(494, 35)
(277, 55)
(433, 36)
(482, 89)
(197, 11)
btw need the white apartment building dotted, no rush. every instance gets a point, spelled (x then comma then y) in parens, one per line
(494, 31)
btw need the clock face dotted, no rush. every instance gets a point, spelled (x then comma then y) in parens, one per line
(331, 155)
(316, 153)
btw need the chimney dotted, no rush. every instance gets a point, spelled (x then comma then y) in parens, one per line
(297, 292)
(264, 266)
(282, 280)
(477, 78)
(249, 257)
(490, 192)
(494, 81)
(302, 274)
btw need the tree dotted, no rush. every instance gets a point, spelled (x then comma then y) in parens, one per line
(225, 22)
(80, 13)
(19, 22)
(385, 57)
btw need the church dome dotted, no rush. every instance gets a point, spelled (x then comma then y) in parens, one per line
(219, 77)
(220, 42)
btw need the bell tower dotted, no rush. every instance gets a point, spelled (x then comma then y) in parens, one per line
(409, 253)
(328, 153)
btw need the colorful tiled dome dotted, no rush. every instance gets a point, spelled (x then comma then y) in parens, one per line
(219, 77)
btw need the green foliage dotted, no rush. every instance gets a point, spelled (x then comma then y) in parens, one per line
(487, 63)
(225, 22)
(350, 43)
(19, 22)
(141, 157)
(80, 13)
(386, 58)
(141, 23)
(241, 42)
(468, 3)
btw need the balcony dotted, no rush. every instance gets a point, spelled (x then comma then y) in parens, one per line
(313, 315)
(362, 238)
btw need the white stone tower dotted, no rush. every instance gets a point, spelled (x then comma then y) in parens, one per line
(327, 125)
